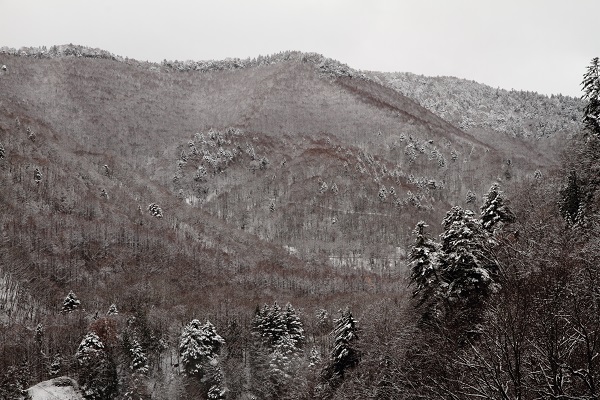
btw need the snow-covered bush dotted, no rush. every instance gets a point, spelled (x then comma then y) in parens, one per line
(155, 210)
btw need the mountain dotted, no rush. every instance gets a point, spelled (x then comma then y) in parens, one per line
(203, 189)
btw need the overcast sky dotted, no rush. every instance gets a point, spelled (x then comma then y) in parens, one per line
(536, 45)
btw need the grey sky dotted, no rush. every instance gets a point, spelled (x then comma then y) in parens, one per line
(539, 45)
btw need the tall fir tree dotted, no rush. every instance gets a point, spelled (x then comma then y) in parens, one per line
(293, 326)
(70, 303)
(199, 345)
(467, 264)
(591, 95)
(269, 325)
(424, 264)
(344, 354)
(97, 372)
(495, 211)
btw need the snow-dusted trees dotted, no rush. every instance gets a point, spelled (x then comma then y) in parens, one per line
(139, 361)
(453, 279)
(467, 265)
(2, 152)
(344, 354)
(199, 346)
(276, 355)
(494, 209)
(294, 329)
(271, 325)
(591, 94)
(155, 210)
(97, 372)
(70, 303)
(424, 265)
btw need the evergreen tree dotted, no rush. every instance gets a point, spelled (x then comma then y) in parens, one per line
(97, 371)
(424, 265)
(37, 175)
(468, 268)
(268, 325)
(155, 210)
(2, 152)
(494, 211)
(55, 365)
(139, 361)
(571, 199)
(70, 303)
(199, 345)
(293, 327)
(39, 334)
(591, 94)
(344, 355)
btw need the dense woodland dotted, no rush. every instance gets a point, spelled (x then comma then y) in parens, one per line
(289, 228)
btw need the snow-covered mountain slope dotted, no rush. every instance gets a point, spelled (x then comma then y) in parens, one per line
(472, 106)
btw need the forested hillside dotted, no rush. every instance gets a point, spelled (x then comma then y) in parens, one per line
(246, 228)
(473, 106)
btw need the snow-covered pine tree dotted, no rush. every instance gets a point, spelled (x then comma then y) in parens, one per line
(217, 390)
(55, 365)
(282, 364)
(466, 264)
(382, 193)
(70, 303)
(2, 152)
(268, 325)
(89, 347)
(293, 327)
(424, 265)
(494, 210)
(139, 361)
(344, 355)
(155, 210)
(591, 94)
(97, 373)
(37, 175)
(323, 187)
(199, 345)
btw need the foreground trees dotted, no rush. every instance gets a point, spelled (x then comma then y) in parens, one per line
(453, 279)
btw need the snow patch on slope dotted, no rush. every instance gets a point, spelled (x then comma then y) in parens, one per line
(62, 388)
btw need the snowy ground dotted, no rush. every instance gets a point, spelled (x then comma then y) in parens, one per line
(62, 388)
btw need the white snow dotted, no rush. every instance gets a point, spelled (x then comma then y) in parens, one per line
(62, 388)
